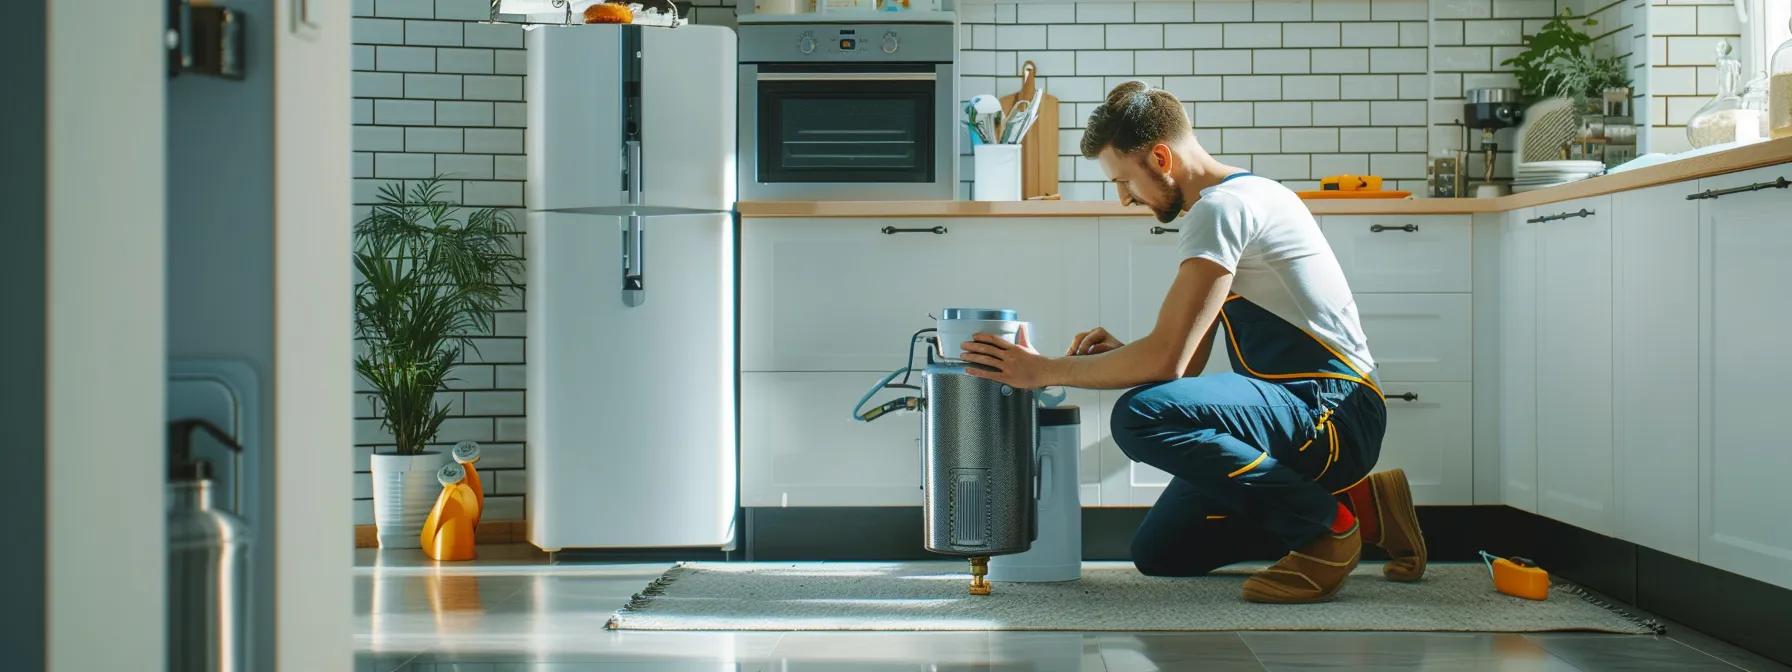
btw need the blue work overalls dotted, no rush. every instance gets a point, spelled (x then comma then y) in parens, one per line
(1262, 450)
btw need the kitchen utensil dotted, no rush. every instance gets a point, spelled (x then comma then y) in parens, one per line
(1039, 148)
(1015, 122)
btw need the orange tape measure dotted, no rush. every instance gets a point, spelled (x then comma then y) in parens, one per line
(1517, 577)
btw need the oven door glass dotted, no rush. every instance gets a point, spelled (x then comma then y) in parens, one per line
(846, 127)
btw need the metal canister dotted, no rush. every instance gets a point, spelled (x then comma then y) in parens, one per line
(207, 570)
(978, 440)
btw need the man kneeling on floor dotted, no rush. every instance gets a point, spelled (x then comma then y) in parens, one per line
(1281, 446)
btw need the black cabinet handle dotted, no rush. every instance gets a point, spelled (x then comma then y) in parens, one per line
(1405, 396)
(1583, 212)
(1780, 183)
(1378, 228)
(1158, 230)
(936, 230)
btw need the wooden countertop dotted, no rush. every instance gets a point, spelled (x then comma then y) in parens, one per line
(1742, 158)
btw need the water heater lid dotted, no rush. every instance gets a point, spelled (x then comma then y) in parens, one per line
(1056, 416)
(977, 314)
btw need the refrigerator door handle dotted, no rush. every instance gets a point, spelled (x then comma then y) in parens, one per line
(634, 245)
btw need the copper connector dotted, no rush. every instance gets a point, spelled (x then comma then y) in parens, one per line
(979, 569)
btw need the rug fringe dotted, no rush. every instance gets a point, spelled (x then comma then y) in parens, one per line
(1650, 624)
(654, 589)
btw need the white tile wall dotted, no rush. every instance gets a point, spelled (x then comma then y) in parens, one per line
(1263, 79)
(1682, 37)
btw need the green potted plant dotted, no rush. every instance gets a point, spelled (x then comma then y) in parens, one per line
(1558, 62)
(428, 282)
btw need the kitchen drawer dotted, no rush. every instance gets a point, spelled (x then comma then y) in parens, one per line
(1431, 437)
(842, 295)
(1379, 253)
(1419, 337)
(801, 447)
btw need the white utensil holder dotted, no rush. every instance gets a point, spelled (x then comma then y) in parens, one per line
(995, 173)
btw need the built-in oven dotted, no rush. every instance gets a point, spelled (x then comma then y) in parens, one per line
(847, 112)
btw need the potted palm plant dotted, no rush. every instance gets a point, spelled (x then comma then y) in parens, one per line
(429, 281)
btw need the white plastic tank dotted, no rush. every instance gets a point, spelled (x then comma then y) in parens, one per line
(1057, 555)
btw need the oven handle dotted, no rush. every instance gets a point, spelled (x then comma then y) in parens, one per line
(847, 76)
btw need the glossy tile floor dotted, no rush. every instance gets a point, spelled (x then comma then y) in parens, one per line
(512, 611)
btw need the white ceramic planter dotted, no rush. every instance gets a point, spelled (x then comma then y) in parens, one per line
(404, 489)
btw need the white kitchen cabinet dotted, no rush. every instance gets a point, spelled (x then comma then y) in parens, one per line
(1418, 337)
(1395, 253)
(1574, 364)
(1517, 404)
(843, 295)
(1745, 504)
(1656, 359)
(1429, 435)
(800, 445)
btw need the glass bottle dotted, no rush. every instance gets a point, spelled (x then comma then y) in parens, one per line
(1779, 91)
(1725, 118)
(1754, 99)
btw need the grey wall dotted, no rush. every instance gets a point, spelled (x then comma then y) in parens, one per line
(22, 60)
(221, 255)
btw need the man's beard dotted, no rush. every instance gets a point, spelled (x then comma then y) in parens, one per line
(1173, 202)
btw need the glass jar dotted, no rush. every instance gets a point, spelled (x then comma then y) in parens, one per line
(1754, 98)
(1726, 119)
(1779, 91)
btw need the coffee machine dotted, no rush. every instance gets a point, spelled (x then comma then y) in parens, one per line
(1487, 109)
(979, 467)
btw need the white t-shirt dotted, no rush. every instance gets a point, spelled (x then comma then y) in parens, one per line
(1262, 232)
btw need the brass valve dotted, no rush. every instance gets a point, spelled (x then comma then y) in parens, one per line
(979, 569)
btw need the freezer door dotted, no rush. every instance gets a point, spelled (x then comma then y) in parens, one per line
(574, 136)
(688, 88)
(631, 409)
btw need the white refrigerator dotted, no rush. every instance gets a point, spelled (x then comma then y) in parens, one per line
(630, 297)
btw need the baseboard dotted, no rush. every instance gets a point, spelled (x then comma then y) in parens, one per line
(489, 532)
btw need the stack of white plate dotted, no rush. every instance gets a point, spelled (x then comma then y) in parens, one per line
(1536, 175)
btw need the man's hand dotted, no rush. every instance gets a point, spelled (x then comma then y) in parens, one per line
(1016, 364)
(1092, 342)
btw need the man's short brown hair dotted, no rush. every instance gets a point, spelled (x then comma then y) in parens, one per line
(1134, 117)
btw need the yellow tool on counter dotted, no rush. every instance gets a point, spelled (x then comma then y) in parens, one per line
(1350, 183)
(1517, 576)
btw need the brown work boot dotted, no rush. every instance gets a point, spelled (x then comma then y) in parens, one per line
(1312, 573)
(1384, 504)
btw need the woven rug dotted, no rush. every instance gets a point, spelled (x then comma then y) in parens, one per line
(908, 596)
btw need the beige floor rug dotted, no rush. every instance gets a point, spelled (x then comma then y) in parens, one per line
(908, 596)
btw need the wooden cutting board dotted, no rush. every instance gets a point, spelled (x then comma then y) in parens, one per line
(1039, 150)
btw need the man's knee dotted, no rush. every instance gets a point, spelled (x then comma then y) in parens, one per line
(1135, 417)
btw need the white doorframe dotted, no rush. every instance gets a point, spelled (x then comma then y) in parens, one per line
(314, 544)
(104, 228)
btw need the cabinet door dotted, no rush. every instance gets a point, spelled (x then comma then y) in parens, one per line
(801, 447)
(842, 295)
(1656, 351)
(1744, 525)
(1518, 361)
(1429, 435)
(1392, 253)
(1137, 267)
(1574, 365)
(1418, 337)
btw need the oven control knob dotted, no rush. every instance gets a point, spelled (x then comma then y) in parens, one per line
(806, 44)
(890, 44)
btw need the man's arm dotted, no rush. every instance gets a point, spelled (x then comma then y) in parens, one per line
(1203, 352)
(1181, 339)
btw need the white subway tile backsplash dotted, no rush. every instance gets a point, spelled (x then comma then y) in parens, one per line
(1284, 114)
(1397, 60)
(1005, 13)
(1104, 63)
(1253, 140)
(465, 167)
(1281, 61)
(1222, 11)
(1507, 32)
(432, 33)
(1310, 140)
(1281, 166)
(1340, 60)
(361, 57)
(1194, 36)
(1717, 19)
(1694, 50)
(494, 194)
(1054, 12)
(1445, 33)
(361, 165)
(1190, 89)
(378, 85)
(1412, 139)
(414, 9)
(1415, 87)
(1399, 10)
(494, 403)
(1311, 35)
(1254, 87)
(1283, 10)
(1016, 37)
(1366, 140)
(362, 111)
(1414, 34)
(377, 31)
(499, 35)
(1461, 9)
(464, 61)
(1104, 12)
(1079, 89)
(1223, 62)
(404, 112)
(1135, 36)
(1222, 115)
(1163, 62)
(1164, 12)
(1381, 34)
(1341, 10)
(1523, 8)
(1401, 166)
(462, 113)
(1073, 36)
(494, 87)
(1446, 85)
(464, 10)
(1249, 35)
(425, 139)
(1310, 87)
(1342, 113)
(1397, 112)
(405, 59)
(432, 86)
(1462, 59)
